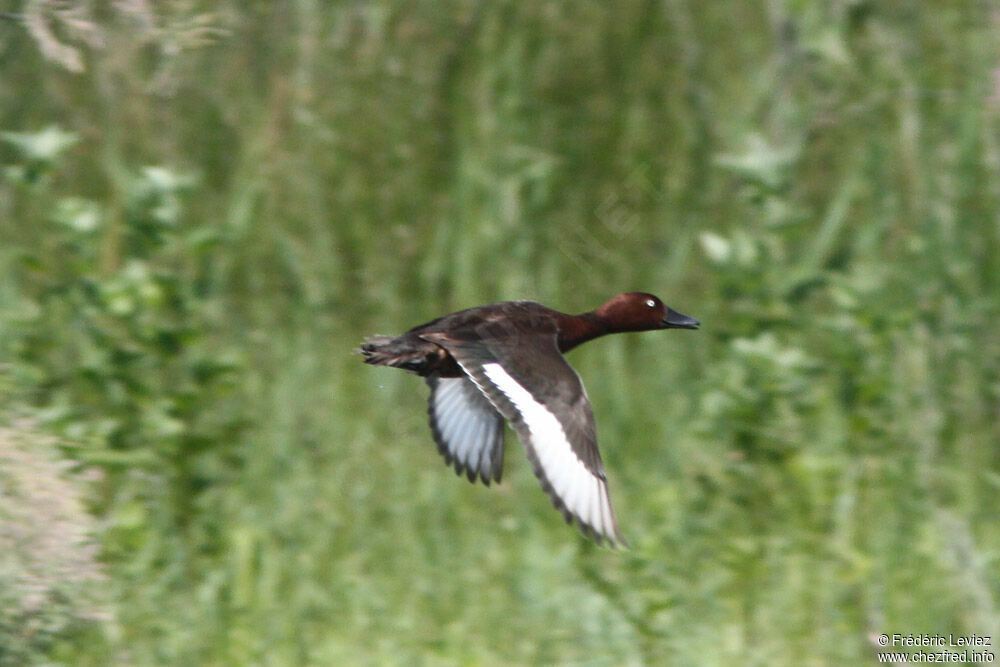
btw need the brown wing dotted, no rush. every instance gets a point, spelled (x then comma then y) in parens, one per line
(544, 400)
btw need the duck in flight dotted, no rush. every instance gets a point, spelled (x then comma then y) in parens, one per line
(503, 361)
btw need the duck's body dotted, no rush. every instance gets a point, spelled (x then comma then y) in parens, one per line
(504, 361)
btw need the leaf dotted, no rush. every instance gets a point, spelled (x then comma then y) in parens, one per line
(78, 214)
(717, 248)
(760, 162)
(41, 147)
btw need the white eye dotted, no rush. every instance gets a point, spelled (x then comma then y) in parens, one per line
(650, 303)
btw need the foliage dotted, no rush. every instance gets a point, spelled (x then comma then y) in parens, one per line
(814, 181)
(113, 338)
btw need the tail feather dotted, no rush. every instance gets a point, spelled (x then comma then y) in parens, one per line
(378, 350)
(389, 351)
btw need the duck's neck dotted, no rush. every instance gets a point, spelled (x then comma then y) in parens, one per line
(577, 329)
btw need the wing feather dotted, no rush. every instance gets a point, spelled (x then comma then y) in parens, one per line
(467, 429)
(548, 408)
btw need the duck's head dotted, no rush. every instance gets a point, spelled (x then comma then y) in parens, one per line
(639, 311)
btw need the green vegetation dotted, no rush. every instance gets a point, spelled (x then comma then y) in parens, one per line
(205, 206)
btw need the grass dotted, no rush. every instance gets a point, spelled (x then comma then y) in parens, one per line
(815, 182)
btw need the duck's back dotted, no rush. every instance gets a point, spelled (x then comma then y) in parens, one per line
(494, 320)
(495, 324)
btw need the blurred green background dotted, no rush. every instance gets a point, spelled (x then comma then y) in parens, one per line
(206, 205)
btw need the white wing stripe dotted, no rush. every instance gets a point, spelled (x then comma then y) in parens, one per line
(594, 518)
(596, 507)
(595, 501)
(606, 510)
(583, 493)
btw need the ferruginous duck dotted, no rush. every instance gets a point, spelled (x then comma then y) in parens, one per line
(503, 361)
